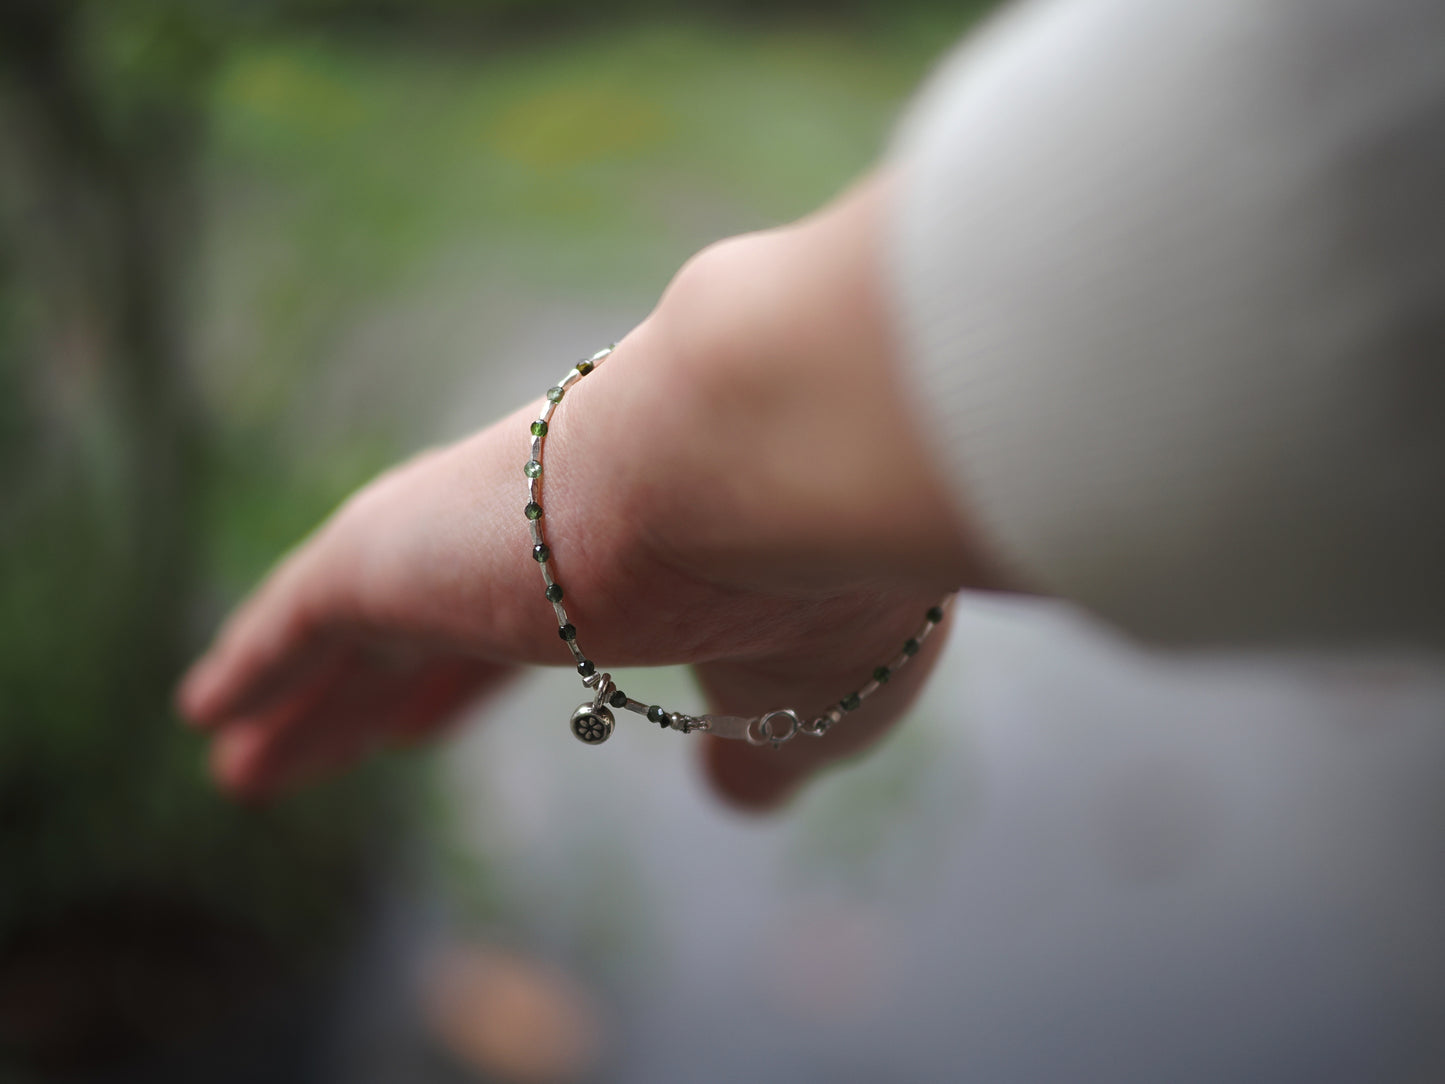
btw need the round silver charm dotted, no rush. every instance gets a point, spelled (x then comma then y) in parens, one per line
(592, 725)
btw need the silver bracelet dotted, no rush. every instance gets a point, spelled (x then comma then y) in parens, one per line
(592, 722)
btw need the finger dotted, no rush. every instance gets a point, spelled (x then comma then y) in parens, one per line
(376, 698)
(269, 646)
(246, 749)
(762, 778)
(460, 572)
(439, 692)
(401, 711)
(390, 710)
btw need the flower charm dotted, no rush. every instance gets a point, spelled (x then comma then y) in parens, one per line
(592, 725)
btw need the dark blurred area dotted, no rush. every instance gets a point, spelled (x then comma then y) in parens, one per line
(203, 208)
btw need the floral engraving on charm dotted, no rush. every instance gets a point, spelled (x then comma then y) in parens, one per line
(592, 725)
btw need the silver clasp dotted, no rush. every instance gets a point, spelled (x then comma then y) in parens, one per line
(725, 726)
(762, 731)
(773, 728)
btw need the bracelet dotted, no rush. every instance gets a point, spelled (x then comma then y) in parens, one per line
(593, 722)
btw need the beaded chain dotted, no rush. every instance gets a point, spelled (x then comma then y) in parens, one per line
(593, 722)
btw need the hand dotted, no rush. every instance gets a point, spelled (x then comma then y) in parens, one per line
(740, 487)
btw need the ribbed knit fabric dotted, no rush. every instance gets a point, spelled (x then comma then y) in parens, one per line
(1171, 280)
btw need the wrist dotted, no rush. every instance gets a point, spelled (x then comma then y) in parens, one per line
(794, 413)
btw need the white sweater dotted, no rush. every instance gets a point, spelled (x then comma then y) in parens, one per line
(1171, 278)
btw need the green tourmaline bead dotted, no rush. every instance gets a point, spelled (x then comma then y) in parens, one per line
(656, 714)
(587, 668)
(882, 674)
(584, 367)
(851, 702)
(618, 699)
(554, 592)
(910, 646)
(539, 428)
(568, 632)
(555, 394)
(935, 614)
(533, 510)
(540, 553)
(533, 469)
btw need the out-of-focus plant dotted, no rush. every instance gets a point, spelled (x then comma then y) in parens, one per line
(114, 848)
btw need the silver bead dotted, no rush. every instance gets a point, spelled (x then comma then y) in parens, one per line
(592, 725)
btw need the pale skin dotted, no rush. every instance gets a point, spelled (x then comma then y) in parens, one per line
(742, 487)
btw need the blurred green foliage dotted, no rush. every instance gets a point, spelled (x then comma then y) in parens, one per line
(588, 167)
(110, 474)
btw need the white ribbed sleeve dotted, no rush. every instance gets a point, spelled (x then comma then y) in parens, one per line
(1170, 277)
